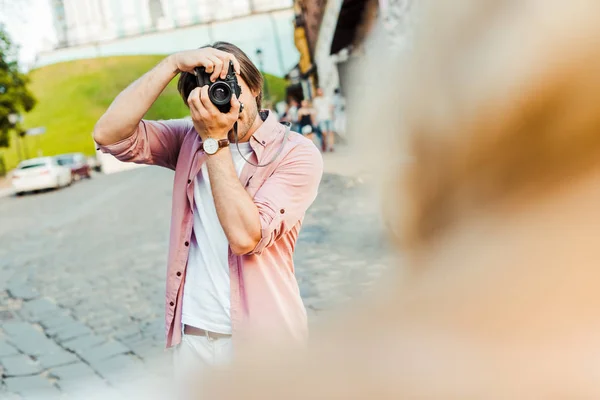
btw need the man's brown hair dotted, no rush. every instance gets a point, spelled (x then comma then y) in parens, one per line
(248, 71)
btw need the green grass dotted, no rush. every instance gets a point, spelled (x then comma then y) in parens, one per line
(73, 95)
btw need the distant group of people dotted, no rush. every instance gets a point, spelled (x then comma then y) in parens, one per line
(323, 117)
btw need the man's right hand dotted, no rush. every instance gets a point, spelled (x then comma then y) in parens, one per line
(215, 61)
(122, 118)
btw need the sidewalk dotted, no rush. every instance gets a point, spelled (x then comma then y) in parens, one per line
(344, 161)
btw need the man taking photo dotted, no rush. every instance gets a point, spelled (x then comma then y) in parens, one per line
(234, 223)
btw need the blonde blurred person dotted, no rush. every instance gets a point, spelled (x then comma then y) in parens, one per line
(497, 216)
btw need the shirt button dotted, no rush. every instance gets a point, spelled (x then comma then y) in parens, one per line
(282, 211)
(187, 244)
(172, 304)
(189, 181)
(178, 273)
(263, 142)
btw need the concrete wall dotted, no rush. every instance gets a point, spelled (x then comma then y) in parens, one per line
(272, 32)
(326, 63)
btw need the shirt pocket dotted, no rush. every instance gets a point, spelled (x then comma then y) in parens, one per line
(257, 180)
(253, 185)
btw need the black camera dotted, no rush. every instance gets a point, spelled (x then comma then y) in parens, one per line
(221, 90)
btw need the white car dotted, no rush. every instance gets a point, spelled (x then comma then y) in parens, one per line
(40, 173)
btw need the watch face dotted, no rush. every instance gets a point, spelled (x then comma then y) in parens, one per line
(211, 146)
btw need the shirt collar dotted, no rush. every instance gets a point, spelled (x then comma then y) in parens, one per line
(267, 131)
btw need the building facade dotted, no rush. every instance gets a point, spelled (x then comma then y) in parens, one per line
(82, 22)
(335, 31)
(338, 35)
(264, 29)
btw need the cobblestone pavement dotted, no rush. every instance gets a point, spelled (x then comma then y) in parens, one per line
(82, 276)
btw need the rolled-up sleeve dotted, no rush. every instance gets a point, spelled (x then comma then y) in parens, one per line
(152, 143)
(284, 198)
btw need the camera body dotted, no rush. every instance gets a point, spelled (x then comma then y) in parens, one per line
(221, 90)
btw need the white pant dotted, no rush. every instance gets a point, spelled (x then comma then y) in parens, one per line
(195, 354)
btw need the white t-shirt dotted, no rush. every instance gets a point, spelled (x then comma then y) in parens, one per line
(206, 295)
(323, 106)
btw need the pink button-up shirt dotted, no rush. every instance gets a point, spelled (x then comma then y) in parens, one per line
(265, 298)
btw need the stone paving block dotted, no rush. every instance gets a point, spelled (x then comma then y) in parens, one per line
(148, 348)
(72, 371)
(28, 339)
(27, 384)
(137, 340)
(22, 291)
(19, 328)
(38, 309)
(156, 326)
(308, 290)
(17, 279)
(103, 351)
(6, 349)
(8, 396)
(83, 387)
(317, 303)
(128, 340)
(57, 359)
(42, 394)
(119, 369)
(128, 332)
(54, 321)
(149, 354)
(7, 315)
(70, 331)
(19, 365)
(83, 343)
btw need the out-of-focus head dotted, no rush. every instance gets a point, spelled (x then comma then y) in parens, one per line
(319, 91)
(305, 103)
(499, 103)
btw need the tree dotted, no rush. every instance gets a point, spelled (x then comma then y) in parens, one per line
(15, 97)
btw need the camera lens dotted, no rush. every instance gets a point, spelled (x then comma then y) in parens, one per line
(220, 93)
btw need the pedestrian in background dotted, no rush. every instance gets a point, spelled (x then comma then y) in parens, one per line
(324, 116)
(306, 119)
(339, 113)
(290, 115)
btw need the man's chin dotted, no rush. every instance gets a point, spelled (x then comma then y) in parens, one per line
(241, 134)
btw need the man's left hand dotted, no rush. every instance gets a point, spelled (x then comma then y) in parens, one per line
(208, 120)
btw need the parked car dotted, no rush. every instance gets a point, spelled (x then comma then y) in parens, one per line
(94, 164)
(78, 164)
(40, 173)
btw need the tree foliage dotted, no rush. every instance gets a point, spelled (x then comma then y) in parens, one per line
(15, 97)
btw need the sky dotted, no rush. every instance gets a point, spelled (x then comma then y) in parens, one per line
(29, 23)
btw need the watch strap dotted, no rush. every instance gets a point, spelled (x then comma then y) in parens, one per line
(223, 143)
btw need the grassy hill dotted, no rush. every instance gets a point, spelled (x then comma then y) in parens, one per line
(73, 95)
